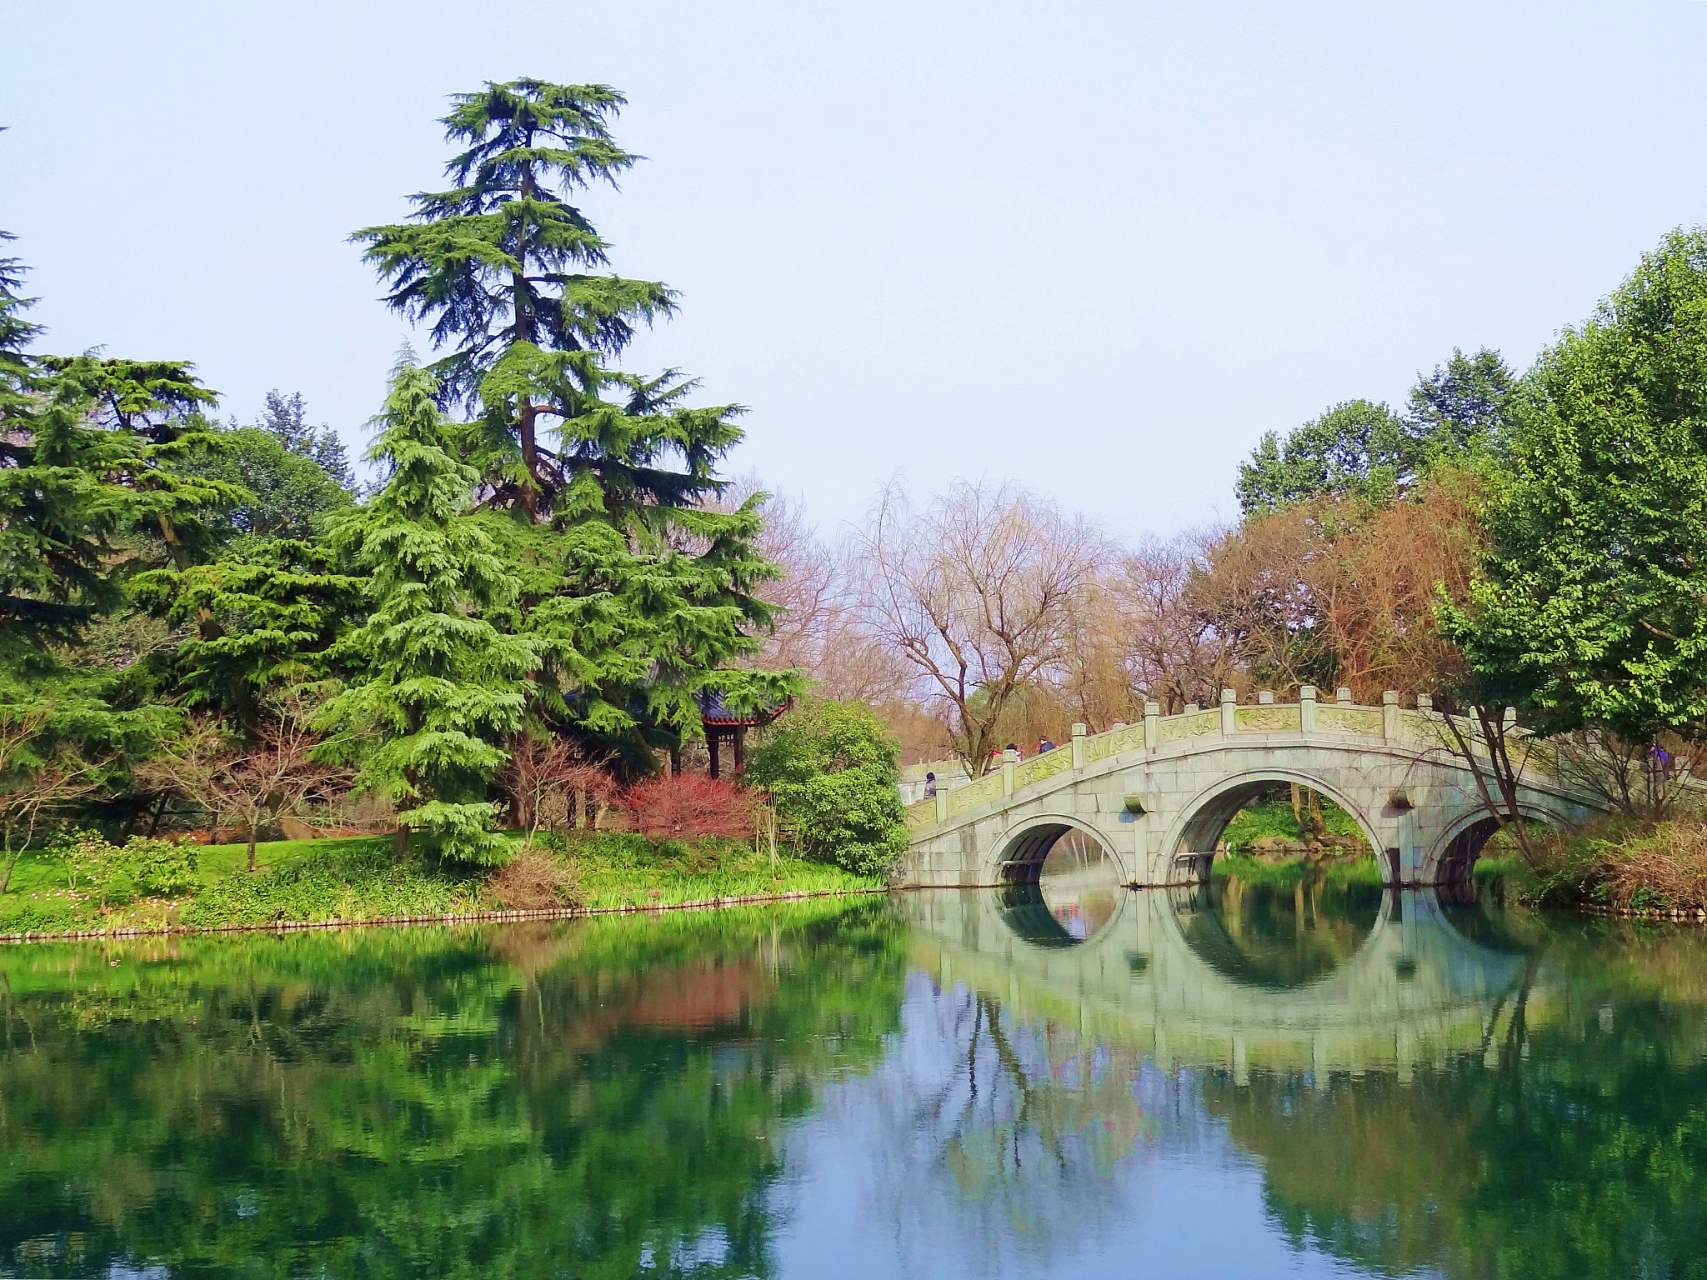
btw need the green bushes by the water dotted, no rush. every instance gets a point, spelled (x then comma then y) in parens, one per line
(1628, 864)
(831, 769)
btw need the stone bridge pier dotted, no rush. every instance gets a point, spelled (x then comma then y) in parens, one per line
(1157, 796)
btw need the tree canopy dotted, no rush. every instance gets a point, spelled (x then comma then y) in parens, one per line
(1592, 604)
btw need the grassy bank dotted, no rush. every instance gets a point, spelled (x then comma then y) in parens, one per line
(1288, 875)
(361, 878)
(1623, 864)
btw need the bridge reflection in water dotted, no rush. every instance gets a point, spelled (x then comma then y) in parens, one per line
(1307, 978)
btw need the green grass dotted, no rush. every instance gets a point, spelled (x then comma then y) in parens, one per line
(1273, 817)
(1287, 875)
(360, 878)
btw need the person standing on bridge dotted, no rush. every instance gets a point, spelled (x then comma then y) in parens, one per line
(930, 786)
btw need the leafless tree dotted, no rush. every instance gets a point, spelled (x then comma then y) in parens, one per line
(815, 628)
(33, 788)
(1626, 776)
(1172, 651)
(554, 784)
(254, 782)
(1489, 743)
(979, 593)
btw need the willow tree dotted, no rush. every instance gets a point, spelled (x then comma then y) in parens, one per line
(639, 594)
(444, 688)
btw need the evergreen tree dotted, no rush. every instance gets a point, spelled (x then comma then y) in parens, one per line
(16, 333)
(286, 419)
(444, 688)
(270, 613)
(503, 267)
(637, 593)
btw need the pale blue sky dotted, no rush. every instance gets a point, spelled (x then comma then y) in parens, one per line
(1098, 248)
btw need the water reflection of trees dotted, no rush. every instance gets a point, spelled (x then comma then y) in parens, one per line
(1573, 1143)
(1267, 935)
(558, 1100)
(1554, 1126)
(995, 1131)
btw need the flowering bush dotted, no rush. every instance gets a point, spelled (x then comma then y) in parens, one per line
(165, 868)
(686, 806)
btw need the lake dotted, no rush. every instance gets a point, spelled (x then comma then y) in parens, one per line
(1056, 1080)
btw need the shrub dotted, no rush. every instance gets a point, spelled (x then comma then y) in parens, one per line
(92, 862)
(531, 880)
(111, 874)
(165, 868)
(831, 769)
(1628, 863)
(687, 806)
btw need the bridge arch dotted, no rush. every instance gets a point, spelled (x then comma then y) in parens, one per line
(1019, 856)
(1454, 854)
(1197, 830)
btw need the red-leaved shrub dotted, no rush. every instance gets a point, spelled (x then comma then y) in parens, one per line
(685, 806)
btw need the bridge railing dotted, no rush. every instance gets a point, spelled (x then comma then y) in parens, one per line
(1422, 728)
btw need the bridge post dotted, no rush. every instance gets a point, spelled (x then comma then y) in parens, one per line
(1390, 714)
(1078, 746)
(1152, 725)
(1307, 709)
(1229, 713)
(1010, 761)
(941, 805)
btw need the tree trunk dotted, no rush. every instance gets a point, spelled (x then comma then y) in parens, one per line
(401, 845)
(11, 861)
(254, 833)
(525, 415)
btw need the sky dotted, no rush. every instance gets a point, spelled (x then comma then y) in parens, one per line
(1094, 248)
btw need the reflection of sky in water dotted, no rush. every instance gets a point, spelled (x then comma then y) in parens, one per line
(1034, 1151)
(1078, 883)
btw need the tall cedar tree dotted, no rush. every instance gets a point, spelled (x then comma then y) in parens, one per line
(444, 688)
(91, 485)
(640, 596)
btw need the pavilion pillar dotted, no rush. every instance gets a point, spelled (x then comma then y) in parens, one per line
(711, 736)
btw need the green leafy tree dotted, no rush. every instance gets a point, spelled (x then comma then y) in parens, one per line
(1591, 607)
(1460, 410)
(1355, 447)
(444, 688)
(286, 419)
(290, 492)
(1464, 406)
(831, 769)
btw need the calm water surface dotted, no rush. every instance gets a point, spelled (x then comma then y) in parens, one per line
(1076, 1080)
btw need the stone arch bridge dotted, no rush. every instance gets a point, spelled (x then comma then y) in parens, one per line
(1157, 795)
